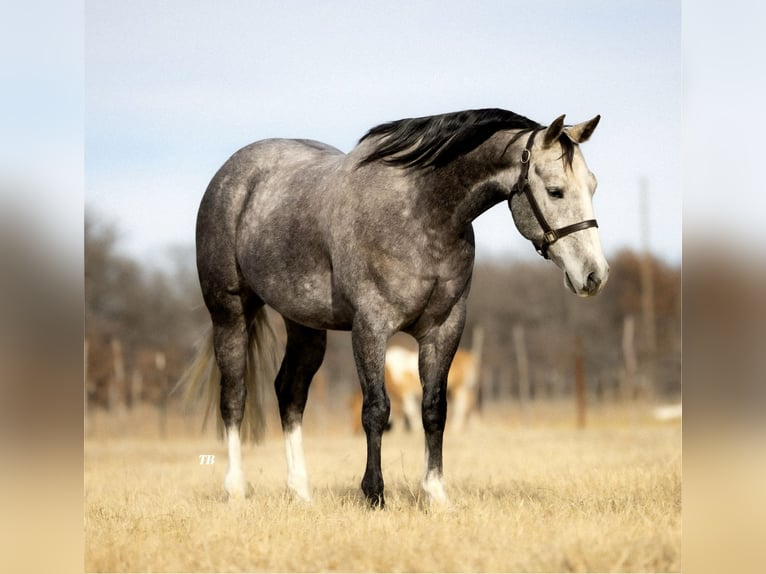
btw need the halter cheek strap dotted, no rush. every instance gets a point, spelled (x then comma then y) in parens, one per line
(550, 235)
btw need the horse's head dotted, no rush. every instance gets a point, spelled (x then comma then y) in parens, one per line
(552, 204)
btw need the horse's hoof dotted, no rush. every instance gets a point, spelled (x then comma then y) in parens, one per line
(372, 487)
(440, 506)
(300, 494)
(236, 486)
(435, 493)
(376, 501)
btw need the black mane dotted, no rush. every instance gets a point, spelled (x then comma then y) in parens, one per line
(437, 140)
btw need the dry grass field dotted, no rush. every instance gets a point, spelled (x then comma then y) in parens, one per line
(538, 497)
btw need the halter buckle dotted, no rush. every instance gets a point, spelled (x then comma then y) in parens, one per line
(550, 236)
(525, 155)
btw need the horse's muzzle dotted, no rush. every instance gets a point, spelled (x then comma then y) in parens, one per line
(593, 284)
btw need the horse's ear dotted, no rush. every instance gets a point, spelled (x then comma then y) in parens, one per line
(581, 132)
(554, 131)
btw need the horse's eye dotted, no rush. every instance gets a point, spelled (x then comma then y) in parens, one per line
(555, 192)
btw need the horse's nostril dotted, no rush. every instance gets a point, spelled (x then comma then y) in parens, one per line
(593, 283)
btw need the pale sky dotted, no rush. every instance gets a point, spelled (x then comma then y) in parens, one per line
(172, 89)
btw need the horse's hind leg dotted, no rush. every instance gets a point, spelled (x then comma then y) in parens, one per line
(303, 356)
(230, 340)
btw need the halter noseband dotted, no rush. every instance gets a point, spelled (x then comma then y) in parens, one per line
(550, 235)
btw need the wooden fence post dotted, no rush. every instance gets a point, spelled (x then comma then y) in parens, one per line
(523, 364)
(160, 363)
(629, 357)
(136, 387)
(117, 386)
(647, 301)
(85, 389)
(477, 348)
(579, 382)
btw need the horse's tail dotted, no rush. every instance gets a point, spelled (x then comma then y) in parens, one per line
(202, 380)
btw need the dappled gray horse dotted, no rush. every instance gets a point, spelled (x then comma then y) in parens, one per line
(375, 241)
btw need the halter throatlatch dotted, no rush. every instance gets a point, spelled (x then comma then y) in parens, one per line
(550, 235)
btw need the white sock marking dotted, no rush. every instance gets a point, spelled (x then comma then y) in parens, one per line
(235, 483)
(433, 486)
(297, 476)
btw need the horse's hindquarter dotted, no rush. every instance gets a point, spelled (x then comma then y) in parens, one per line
(281, 249)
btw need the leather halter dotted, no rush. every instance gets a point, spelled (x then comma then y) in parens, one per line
(550, 235)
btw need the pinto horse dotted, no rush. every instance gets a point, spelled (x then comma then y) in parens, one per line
(404, 390)
(375, 241)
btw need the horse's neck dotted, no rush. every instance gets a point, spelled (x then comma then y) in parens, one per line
(477, 181)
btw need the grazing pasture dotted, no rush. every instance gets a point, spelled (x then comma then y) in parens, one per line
(542, 496)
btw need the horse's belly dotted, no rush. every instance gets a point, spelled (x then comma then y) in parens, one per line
(300, 290)
(307, 301)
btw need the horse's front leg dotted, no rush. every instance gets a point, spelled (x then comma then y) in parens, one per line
(303, 356)
(369, 344)
(437, 349)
